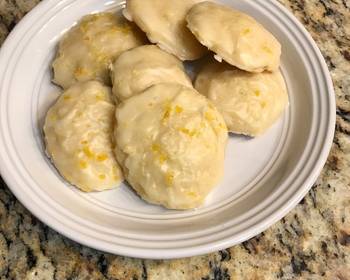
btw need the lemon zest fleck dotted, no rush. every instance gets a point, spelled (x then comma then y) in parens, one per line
(162, 157)
(155, 148)
(246, 31)
(188, 132)
(88, 152)
(99, 97)
(192, 194)
(178, 109)
(167, 112)
(208, 116)
(267, 49)
(80, 71)
(102, 157)
(83, 164)
(169, 178)
(53, 117)
(222, 126)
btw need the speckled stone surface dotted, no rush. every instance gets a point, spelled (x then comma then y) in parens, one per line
(312, 242)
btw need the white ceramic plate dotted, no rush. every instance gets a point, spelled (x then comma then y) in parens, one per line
(264, 177)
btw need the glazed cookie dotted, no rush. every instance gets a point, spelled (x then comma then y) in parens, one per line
(249, 102)
(78, 134)
(142, 67)
(86, 51)
(235, 37)
(171, 143)
(164, 23)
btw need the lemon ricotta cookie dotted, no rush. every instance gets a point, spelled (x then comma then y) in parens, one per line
(164, 23)
(86, 51)
(78, 134)
(234, 37)
(171, 142)
(142, 67)
(249, 102)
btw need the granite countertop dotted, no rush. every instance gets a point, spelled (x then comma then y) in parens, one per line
(311, 242)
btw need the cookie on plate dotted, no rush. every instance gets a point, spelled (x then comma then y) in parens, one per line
(78, 134)
(86, 51)
(235, 37)
(249, 102)
(170, 142)
(142, 67)
(164, 23)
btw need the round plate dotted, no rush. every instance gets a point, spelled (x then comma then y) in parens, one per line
(264, 177)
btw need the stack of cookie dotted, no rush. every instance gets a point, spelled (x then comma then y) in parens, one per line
(166, 136)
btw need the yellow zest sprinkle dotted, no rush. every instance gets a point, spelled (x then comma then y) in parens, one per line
(102, 176)
(88, 152)
(208, 116)
(178, 109)
(83, 164)
(246, 31)
(222, 126)
(80, 71)
(167, 113)
(169, 178)
(187, 131)
(257, 92)
(155, 148)
(84, 142)
(53, 117)
(263, 104)
(101, 157)
(66, 97)
(267, 49)
(162, 158)
(192, 194)
(99, 97)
